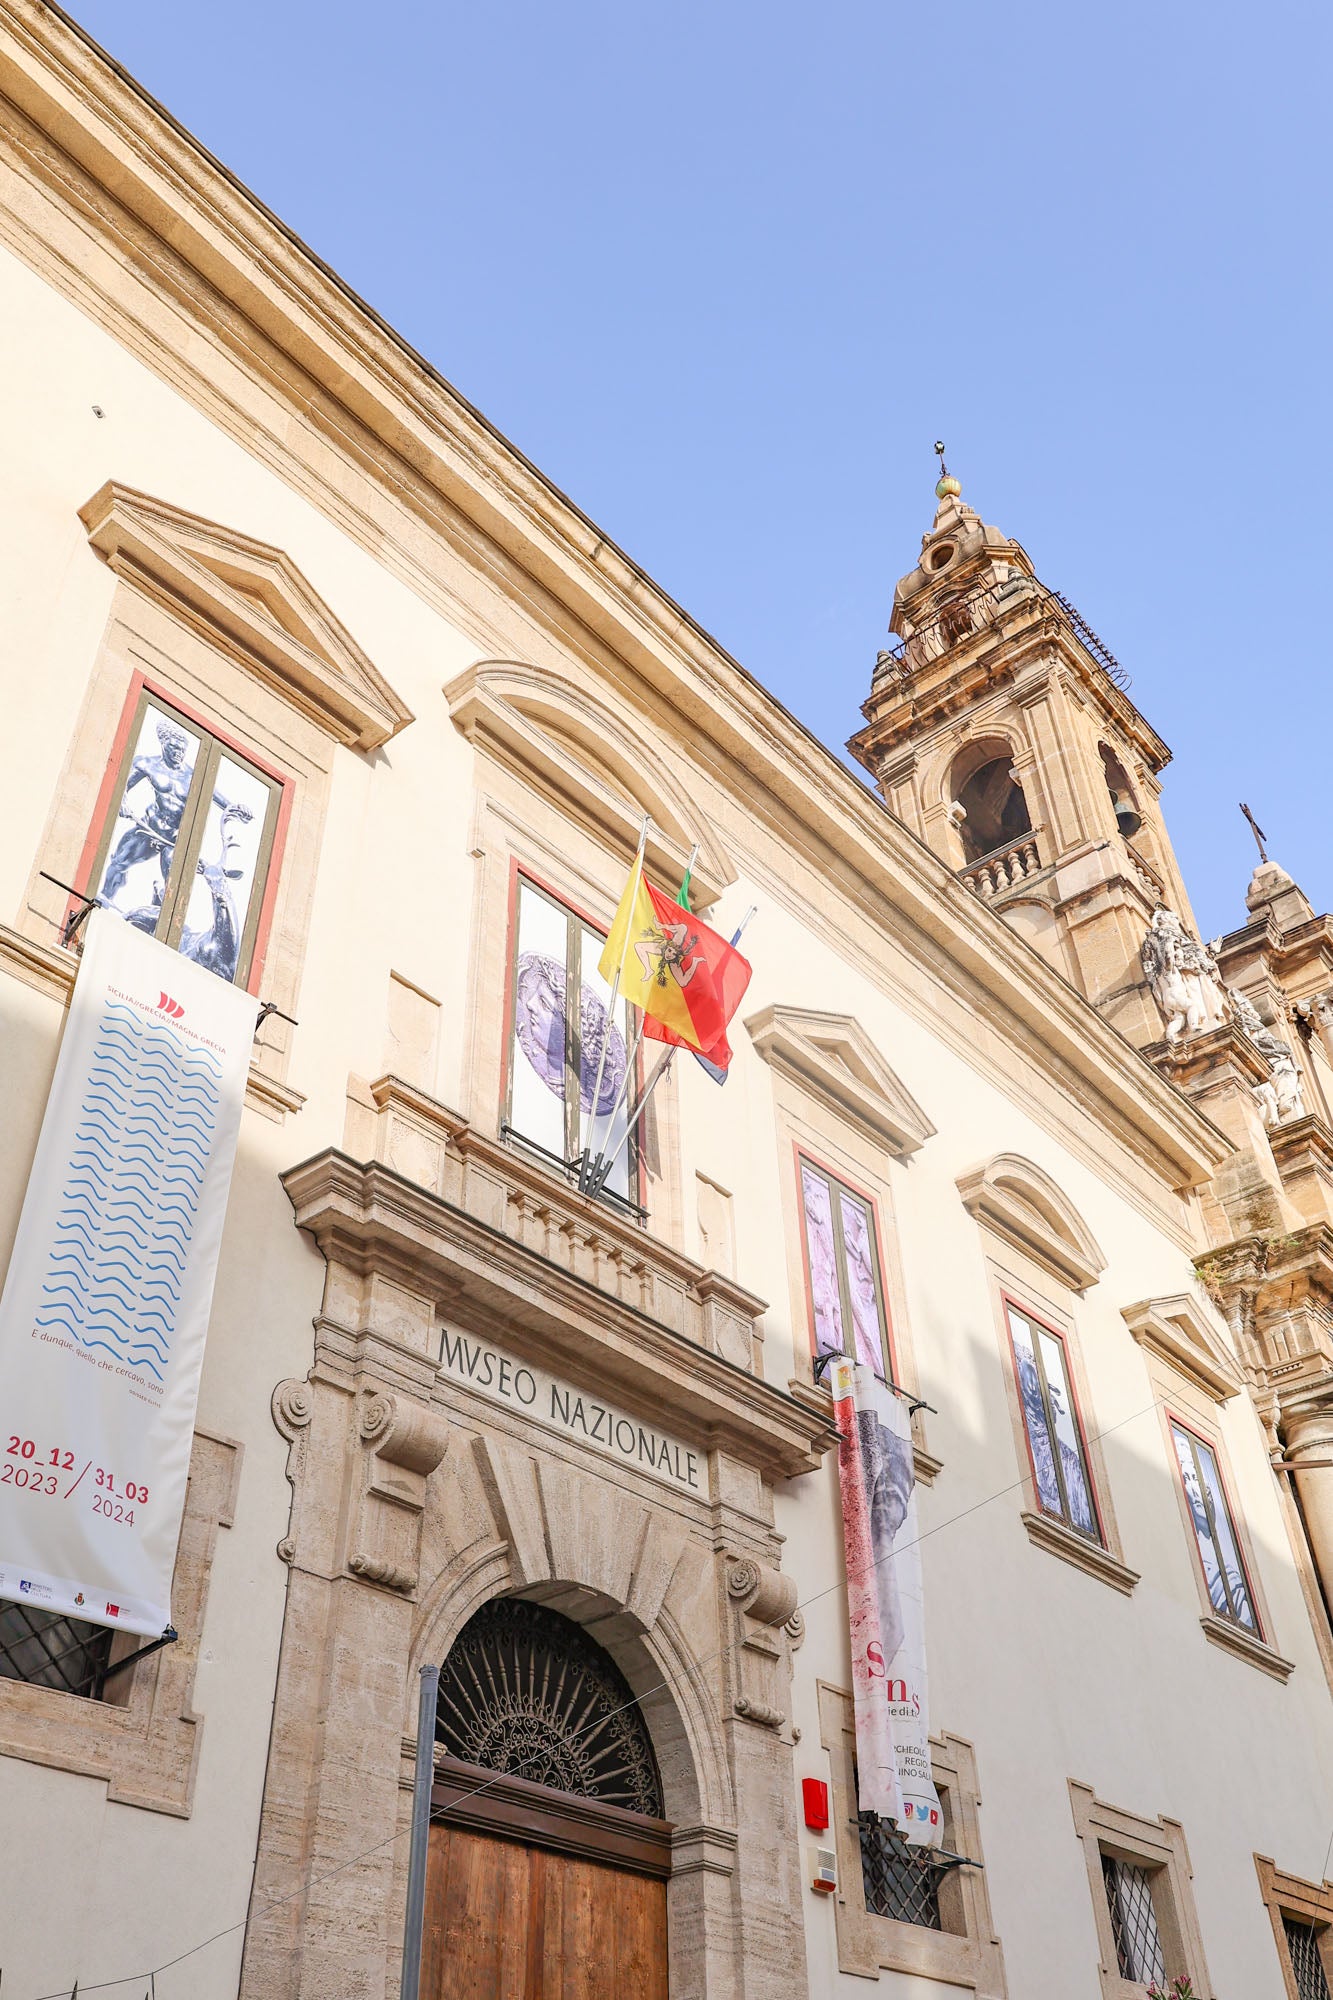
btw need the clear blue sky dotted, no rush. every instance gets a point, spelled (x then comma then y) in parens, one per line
(726, 271)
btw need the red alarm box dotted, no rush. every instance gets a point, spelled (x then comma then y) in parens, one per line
(814, 1798)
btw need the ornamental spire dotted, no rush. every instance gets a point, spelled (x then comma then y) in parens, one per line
(947, 487)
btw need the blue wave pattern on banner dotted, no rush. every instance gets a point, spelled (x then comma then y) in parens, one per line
(131, 1193)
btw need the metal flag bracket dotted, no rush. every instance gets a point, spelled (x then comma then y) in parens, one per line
(69, 929)
(914, 1403)
(168, 1638)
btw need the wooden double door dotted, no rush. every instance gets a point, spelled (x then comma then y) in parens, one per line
(510, 1921)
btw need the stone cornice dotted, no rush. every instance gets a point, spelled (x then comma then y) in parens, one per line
(366, 1218)
(105, 153)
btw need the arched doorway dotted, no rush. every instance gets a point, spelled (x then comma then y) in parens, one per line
(549, 1883)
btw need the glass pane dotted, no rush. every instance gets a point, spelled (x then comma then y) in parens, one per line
(148, 818)
(226, 869)
(594, 998)
(1241, 1608)
(1067, 1434)
(824, 1293)
(862, 1281)
(1034, 1416)
(1203, 1534)
(1138, 1943)
(537, 1097)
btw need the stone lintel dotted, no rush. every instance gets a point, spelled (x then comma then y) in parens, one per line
(366, 1218)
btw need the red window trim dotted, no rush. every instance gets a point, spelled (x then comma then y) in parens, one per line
(802, 1152)
(1013, 1299)
(1233, 1517)
(520, 872)
(139, 686)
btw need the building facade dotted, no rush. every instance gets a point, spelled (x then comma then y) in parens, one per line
(310, 673)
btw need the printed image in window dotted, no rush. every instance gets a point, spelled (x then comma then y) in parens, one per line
(186, 849)
(846, 1288)
(1214, 1530)
(555, 1050)
(1050, 1418)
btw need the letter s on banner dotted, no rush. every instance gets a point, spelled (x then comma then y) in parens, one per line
(106, 1301)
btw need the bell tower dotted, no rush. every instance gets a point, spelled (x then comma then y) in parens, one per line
(999, 728)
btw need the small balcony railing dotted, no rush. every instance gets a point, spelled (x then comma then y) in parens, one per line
(982, 606)
(1004, 868)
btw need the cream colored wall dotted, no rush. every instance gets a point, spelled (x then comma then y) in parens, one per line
(1050, 1673)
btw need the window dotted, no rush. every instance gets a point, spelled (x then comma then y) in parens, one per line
(555, 1051)
(842, 1260)
(899, 1880)
(50, 1650)
(1214, 1529)
(1054, 1433)
(185, 850)
(1138, 1941)
(1307, 1961)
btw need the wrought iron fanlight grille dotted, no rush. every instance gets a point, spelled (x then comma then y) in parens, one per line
(527, 1692)
(1307, 1960)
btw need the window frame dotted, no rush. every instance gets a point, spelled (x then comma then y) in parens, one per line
(839, 1183)
(1293, 1897)
(574, 913)
(1174, 1422)
(1010, 1301)
(215, 744)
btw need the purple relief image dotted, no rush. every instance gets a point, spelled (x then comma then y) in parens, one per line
(540, 1026)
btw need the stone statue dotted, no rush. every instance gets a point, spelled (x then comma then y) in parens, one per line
(1185, 978)
(1280, 1097)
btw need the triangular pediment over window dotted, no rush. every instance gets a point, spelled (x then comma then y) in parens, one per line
(597, 759)
(1022, 1204)
(1179, 1332)
(833, 1058)
(256, 601)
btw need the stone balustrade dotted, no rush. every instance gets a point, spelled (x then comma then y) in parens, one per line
(1004, 869)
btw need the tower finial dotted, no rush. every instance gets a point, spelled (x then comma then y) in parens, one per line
(1259, 835)
(947, 487)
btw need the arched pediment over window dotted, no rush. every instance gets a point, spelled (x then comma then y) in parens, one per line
(1021, 1203)
(833, 1057)
(597, 758)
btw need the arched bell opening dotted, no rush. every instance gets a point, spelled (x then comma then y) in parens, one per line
(1127, 816)
(988, 805)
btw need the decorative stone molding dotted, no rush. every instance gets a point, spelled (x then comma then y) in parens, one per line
(833, 1058)
(256, 601)
(145, 1744)
(764, 1594)
(760, 1712)
(1179, 1333)
(578, 1289)
(402, 1443)
(1084, 1554)
(965, 1954)
(592, 751)
(1157, 1845)
(1020, 1203)
(1245, 1646)
(1309, 1903)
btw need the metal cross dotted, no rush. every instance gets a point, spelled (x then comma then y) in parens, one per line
(1259, 835)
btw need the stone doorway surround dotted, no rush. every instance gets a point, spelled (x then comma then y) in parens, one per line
(417, 1496)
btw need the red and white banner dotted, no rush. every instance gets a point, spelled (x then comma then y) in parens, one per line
(106, 1301)
(877, 1475)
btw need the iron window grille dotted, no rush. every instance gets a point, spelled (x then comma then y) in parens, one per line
(1057, 1449)
(900, 1880)
(187, 845)
(49, 1650)
(1214, 1526)
(843, 1263)
(1307, 1960)
(554, 1049)
(1138, 1941)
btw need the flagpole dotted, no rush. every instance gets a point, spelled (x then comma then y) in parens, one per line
(631, 1057)
(635, 872)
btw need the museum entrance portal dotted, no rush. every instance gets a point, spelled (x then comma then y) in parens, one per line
(549, 1884)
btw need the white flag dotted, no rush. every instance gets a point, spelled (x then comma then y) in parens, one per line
(877, 1476)
(106, 1301)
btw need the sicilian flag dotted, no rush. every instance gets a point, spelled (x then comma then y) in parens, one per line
(687, 980)
(716, 1061)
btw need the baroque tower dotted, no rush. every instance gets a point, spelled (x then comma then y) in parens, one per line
(999, 728)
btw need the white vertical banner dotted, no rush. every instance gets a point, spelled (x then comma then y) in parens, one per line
(106, 1302)
(877, 1476)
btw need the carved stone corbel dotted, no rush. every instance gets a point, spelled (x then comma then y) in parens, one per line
(402, 1442)
(768, 1628)
(293, 1405)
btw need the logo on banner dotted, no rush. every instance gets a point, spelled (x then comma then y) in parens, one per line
(170, 1006)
